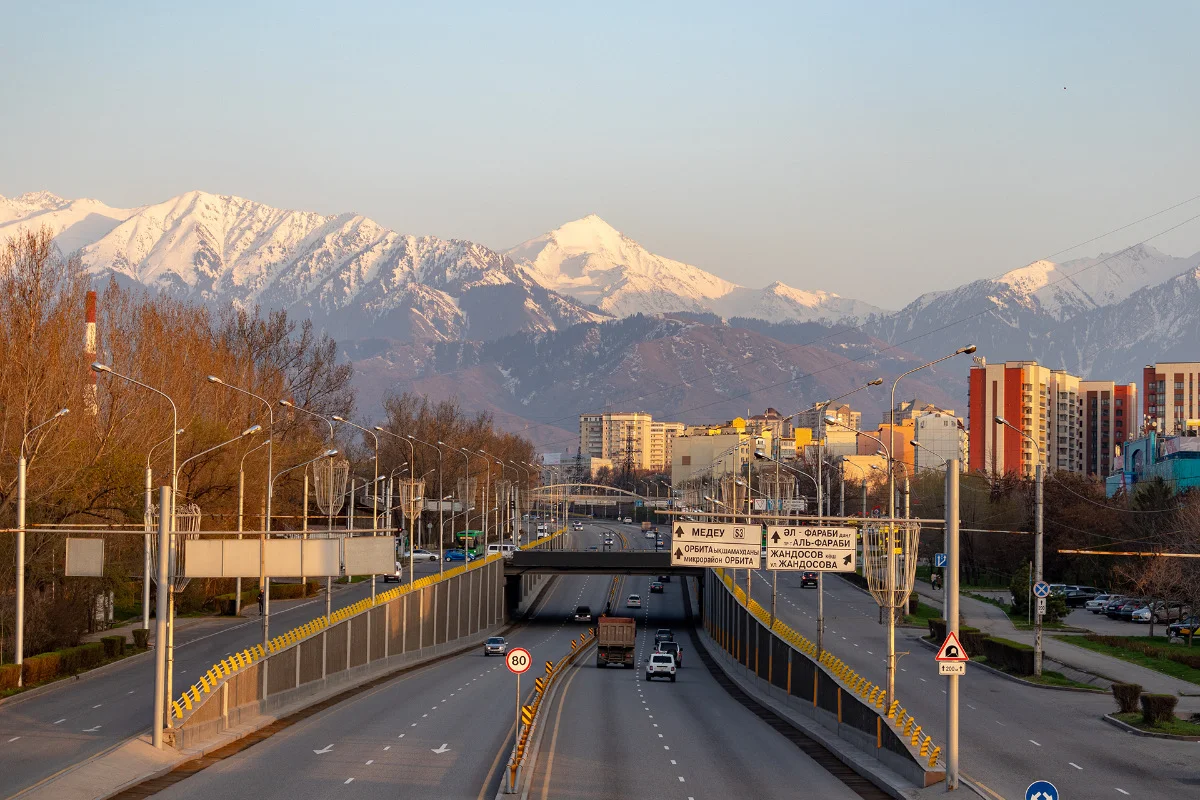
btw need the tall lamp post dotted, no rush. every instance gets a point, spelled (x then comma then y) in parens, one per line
(147, 506)
(1037, 541)
(21, 466)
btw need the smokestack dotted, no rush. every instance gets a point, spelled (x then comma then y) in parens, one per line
(89, 349)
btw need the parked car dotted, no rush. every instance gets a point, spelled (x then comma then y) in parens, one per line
(660, 665)
(664, 635)
(1125, 610)
(674, 649)
(1160, 610)
(420, 554)
(1078, 596)
(393, 576)
(1110, 608)
(1187, 626)
(656, 587)
(1097, 604)
(633, 601)
(808, 579)
(495, 646)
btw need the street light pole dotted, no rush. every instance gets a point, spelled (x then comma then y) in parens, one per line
(20, 622)
(147, 508)
(1037, 542)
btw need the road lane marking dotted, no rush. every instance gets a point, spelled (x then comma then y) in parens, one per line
(389, 747)
(348, 780)
(326, 749)
(91, 730)
(401, 736)
(1076, 766)
(413, 725)
(369, 763)
(673, 761)
(97, 706)
(64, 719)
(681, 779)
(1001, 724)
(1119, 789)
(973, 708)
(13, 739)
(1031, 740)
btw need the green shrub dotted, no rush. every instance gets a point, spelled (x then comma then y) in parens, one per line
(141, 638)
(1126, 695)
(41, 667)
(937, 630)
(1013, 656)
(1020, 592)
(1147, 648)
(1158, 709)
(113, 646)
(972, 640)
(8, 676)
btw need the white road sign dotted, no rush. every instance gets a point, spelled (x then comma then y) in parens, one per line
(821, 549)
(715, 532)
(952, 668)
(715, 554)
(518, 660)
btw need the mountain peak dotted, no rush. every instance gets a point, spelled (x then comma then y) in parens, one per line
(42, 199)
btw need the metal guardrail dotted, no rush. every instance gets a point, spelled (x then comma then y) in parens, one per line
(224, 669)
(530, 713)
(871, 693)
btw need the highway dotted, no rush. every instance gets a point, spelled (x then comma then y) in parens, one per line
(43, 734)
(1010, 734)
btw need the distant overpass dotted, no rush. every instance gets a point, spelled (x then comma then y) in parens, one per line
(595, 562)
(594, 494)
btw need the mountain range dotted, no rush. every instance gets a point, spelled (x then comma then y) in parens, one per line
(607, 322)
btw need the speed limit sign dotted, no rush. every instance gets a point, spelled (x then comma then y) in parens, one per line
(518, 660)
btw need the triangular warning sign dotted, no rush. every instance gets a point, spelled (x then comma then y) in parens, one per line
(951, 649)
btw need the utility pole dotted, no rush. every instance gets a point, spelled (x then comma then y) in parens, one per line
(952, 514)
(160, 618)
(1037, 567)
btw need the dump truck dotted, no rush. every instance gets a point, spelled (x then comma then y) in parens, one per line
(616, 638)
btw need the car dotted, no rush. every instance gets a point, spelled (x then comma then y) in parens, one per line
(1126, 609)
(1096, 604)
(1110, 608)
(583, 614)
(460, 555)
(1189, 626)
(541, 527)
(506, 550)
(1078, 596)
(665, 578)
(576, 526)
(660, 665)
(495, 646)
(633, 601)
(629, 520)
(656, 587)
(388, 577)
(1161, 610)
(809, 578)
(420, 554)
(650, 535)
(664, 635)
(674, 649)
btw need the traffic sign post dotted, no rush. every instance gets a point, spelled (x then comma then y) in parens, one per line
(939, 560)
(1041, 790)
(955, 664)
(699, 544)
(1041, 590)
(518, 660)
(821, 549)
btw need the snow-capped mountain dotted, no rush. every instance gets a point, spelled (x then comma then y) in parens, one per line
(593, 262)
(350, 274)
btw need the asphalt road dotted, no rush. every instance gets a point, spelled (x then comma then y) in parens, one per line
(1010, 734)
(443, 731)
(44, 734)
(611, 734)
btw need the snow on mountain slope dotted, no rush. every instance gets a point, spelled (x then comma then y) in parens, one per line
(593, 262)
(1066, 289)
(76, 223)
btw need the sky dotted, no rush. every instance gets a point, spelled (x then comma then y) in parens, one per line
(877, 150)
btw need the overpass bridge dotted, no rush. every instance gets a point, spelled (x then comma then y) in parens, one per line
(595, 562)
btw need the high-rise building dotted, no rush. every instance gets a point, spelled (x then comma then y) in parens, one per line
(1043, 404)
(815, 417)
(1109, 419)
(630, 437)
(942, 436)
(1172, 396)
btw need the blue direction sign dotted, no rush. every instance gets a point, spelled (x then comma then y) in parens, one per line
(939, 559)
(1041, 790)
(1041, 589)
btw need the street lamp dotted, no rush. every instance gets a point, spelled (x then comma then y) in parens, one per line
(147, 506)
(21, 466)
(918, 445)
(330, 453)
(1037, 541)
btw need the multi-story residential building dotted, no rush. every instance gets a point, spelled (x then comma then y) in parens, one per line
(815, 417)
(942, 436)
(628, 435)
(897, 441)
(1171, 396)
(1072, 422)
(710, 456)
(1109, 419)
(911, 409)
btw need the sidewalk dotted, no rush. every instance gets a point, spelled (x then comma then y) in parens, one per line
(993, 620)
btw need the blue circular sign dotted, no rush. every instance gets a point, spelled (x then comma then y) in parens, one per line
(1041, 589)
(1041, 790)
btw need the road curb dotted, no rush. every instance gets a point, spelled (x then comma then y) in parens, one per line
(1125, 726)
(930, 646)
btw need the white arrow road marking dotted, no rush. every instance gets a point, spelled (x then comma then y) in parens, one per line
(442, 749)
(326, 749)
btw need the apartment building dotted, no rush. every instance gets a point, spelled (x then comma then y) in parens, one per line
(941, 436)
(815, 417)
(1109, 420)
(634, 434)
(1172, 396)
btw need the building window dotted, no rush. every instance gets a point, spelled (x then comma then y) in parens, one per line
(685, 460)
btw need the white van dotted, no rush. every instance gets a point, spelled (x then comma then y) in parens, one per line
(506, 550)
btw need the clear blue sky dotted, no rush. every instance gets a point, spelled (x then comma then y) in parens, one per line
(873, 149)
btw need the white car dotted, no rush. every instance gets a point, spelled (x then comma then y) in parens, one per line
(628, 520)
(420, 554)
(1096, 604)
(578, 526)
(507, 550)
(660, 665)
(541, 527)
(650, 534)
(393, 576)
(633, 601)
